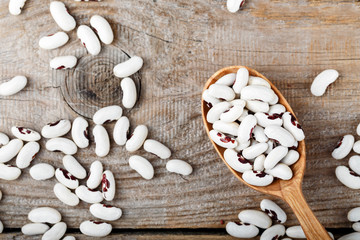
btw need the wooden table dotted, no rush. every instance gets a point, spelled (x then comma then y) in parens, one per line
(183, 43)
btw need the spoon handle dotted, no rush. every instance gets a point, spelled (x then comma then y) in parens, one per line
(308, 221)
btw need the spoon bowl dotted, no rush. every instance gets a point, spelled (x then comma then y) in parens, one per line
(288, 190)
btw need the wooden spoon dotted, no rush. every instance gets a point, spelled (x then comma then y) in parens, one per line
(290, 191)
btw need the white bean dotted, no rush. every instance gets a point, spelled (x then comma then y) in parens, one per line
(358, 129)
(322, 81)
(42, 171)
(351, 236)
(273, 232)
(264, 119)
(277, 109)
(61, 144)
(1, 195)
(281, 171)
(79, 132)
(234, 6)
(102, 141)
(137, 138)
(275, 156)
(257, 106)
(356, 226)
(347, 177)
(107, 114)
(257, 92)
(27, 154)
(343, 147)
(179, 167)
(56, 129)
(232, 114)
(53, 41)
(241, 230)
(15, 6)
(62, 16)
(354, 215)
(105, 212)
(227, 79)
(226, 127)
(222, 140)
(10, 150)
(291, 157)
(128, 88)
(255, 217)
(259, 135)
(129, 67)
(157, 148)
(65, 195)
(108, 186)
(259, 163)
(257, 178)
(142, 166)
(215, 112)
(280, 134)
(236, 161)
(354, 164)
(9, 172)
(102, 28)
(222, 92)
(121, 130)
(241, 146)
(295, 232)
(210, 100)
(273, 211)
(95, 228)
(242, 78)
(258, 81)
(88, 195)
(292, 125)
(89, 39)
(1, 227)
(74, 167)
(243, 115)
(69, 238)
(56, 232)
(254, 150)
(44, 215)
(25, 134)
(95, 175)
(63, 62)
(356, 146)
(15, 85)
(66, 178)
(4, 139)
(246, 128)
(34, 229)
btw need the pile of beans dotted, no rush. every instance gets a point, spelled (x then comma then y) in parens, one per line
(259, 135)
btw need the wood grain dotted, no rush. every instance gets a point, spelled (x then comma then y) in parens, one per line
(183, 43)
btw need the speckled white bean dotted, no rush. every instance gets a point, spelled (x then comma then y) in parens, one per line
(79, 132)
(10, 150)
(347, 177)
(42, 171)
(56, 232)
(27, 154)
(102, 141)
(66, 178)
(241, 230)
(259, 163)
(222, 140)
(354, 215)
(210, 100)
(215, 112)
(232, 114)
(277, 109)
(95, 175)
(258, 81)
(121, 130)
(242, 78)
(65, 195)
(15, 6)
(142, 166)
(246, 127)
(108, 186)
(234, 6)
(63, 62)
(44, 215)
(222, 92)
(105, 212)
(9, 172)
(236, 161)
(128, 88)
(275, 156)
(292, 125)
(257, 178)
(4, 139)
(351, 236)
(273, 232)
(102, 28)
(56, 129)
(354, 164)
(89, 39)
(264, 119)
(259, 135)
(273, 211)
(254, 150)
(95, 228)
(137, 138)
(25, 134)
(34, 229)
(343, 147)
(157, 148)
(226, 127)
(291, 157)
(179, 167)
(280, 134)
(53, 41)
(61, 144)
(61, 16)
(107, 114)
(74, 167)
(255, 217)
(15, 85)
(322, 81)
(257, 106)
(88, 195)
(129, 67)
(257, 92)
(281, 171)
(227, 79)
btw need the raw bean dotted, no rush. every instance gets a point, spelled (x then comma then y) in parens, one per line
(88, 195)
(25, 134)
(56, 232)
(137, 138)
(129, 67)
(232, 114)
(61, 16)
(242, 146)
(102, 141)
(236, 161)
(215, 112)
(42, 171)
(343, 147)
(107, 114)
(280, 134)
(108, 185)
(128, 88)
(238, 102)
(259, 135)
(358, 130)
(234, 6)
(273, 232)
(69, 238)
(242, 78)
(354, 164)
(44, 215)
(241, 230)
(264, 119)
(65, 195)
(257, 178)
(281, 171)
(322, 81)
(0, 195)
(53, 41)
(254, 150)
(121, 130)
(273, 211)
(257, 106)
(102, 28)
(27, 154)
(226, 127)
(89, 39)
(95, 228)
(351, 236)
(286, 239)
(292, 125)
(275, 156)
(227, 79)
(347, 177)
(63, 62)
(255, 217)
(291, 157)
(1, 227)
(15, 6)
(258, 81)
(277, 109)
(257, 92)
(95, 175)
(105, 212)
(275, 100)
(222, 92)
(74, 167)
(356, 226)
(34, 229)
(246, 128)
(79, 132)
(179, 167)
(56, 129)
(222, 140)
(243, 115)
(354, 215)
(4, 139)
(142, 166)
(259, 163)
(10, 150)
(15, 85)
(61, 144)
(356, 146)
(66, 178)
(157, 148)
(210, 100)
(295, 232)
(271, 145)
(9, 172)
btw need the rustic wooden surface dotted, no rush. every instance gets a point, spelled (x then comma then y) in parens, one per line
(183, 43)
